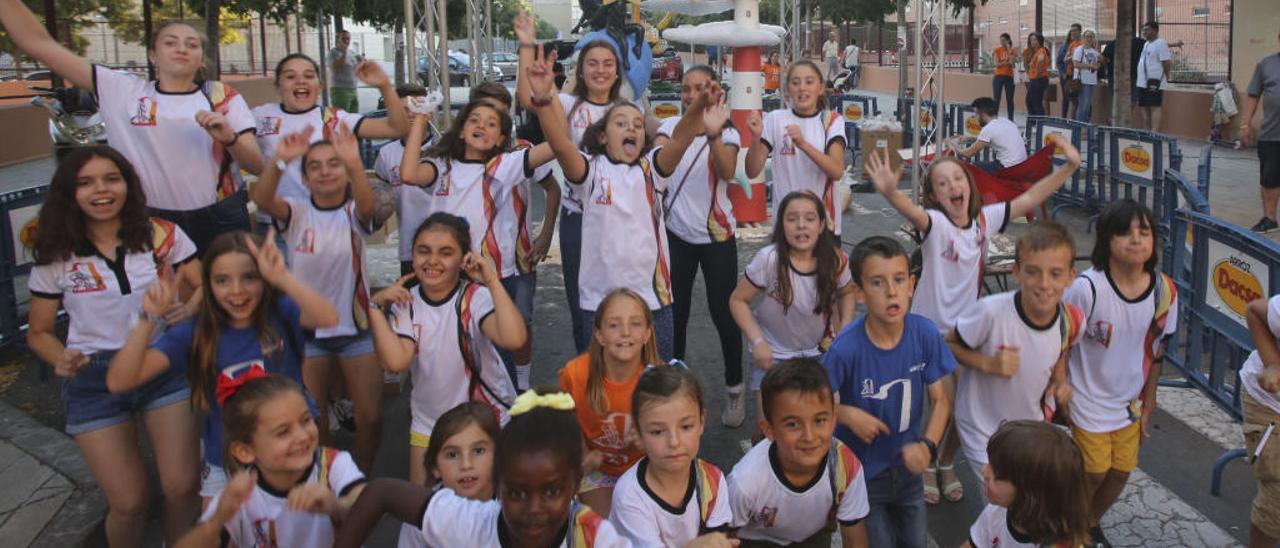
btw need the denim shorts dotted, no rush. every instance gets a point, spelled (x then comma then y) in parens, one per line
(342, 346)
(213, 479)
(90, 406)
(521, 288)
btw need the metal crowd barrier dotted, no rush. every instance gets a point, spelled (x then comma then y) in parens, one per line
(1078, 192)
(20, 208)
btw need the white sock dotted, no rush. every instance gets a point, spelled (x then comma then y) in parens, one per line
(522, 377)
(735, 389)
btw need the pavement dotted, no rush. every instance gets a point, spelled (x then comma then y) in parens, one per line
(49, 497)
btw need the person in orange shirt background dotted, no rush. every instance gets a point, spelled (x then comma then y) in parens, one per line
(772, 73)
(1066, 68)
(601, 382)
(1003, 81)
(1036, 60)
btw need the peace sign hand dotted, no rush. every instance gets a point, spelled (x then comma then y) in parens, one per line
(271, 265)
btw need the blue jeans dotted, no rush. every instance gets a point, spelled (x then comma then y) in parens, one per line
(1005, 84)
(1084, 109)
(663, 329)
(521, 288)
(207, 223)
(897, 515)
(570, 260)
(1035, 96)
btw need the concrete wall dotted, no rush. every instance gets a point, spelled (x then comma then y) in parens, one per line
(1186, 110)
(26, 134)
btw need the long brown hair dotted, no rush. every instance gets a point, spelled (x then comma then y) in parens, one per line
(826, 250)
(596, 396)
(452, 145)
(823, 100)
(60, 227)
(593, 139)
(930, 201)
(211, 320)
(580, 91)
(1047, 472)
(240, 413)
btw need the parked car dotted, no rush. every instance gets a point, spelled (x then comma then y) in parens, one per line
(508, 63)
(459, 70)
(667, 66)
(491, 72)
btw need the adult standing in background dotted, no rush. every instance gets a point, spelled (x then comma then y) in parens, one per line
(772, 70)
(1003, 80)
(1065, 52)
(831, 54)
(1153, 74)
(851, 53)
(1086, 60)
(343, 62)
(1036, 59)
(1265, 86)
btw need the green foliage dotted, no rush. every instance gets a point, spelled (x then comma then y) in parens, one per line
(73, 16)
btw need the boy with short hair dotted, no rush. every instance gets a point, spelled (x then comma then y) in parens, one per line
(791, 487)
(1130, 310)
(881, 367)
(1014, 345)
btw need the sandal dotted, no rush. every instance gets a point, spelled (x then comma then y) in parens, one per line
(931, 496)
(953, 490)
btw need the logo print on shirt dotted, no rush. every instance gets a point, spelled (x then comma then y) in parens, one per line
(604, 194)
(766, 516)
(146, 113)
(442, 189)
(308, 242)
(1100, 332)
(950, 252)
(788, 147)
(582, 119)
(269, 125)
(84, 278)
(264, 533)
(869, 392)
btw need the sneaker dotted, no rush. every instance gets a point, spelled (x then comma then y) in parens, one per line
(735, 409)
(342, 415)
(1265, 225)
(1097, 539)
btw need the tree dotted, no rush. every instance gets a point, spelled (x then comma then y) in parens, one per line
(1121, 82)
(73, 16)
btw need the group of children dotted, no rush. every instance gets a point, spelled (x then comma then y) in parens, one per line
(234, 327)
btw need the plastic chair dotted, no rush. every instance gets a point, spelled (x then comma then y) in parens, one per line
(1010, 182)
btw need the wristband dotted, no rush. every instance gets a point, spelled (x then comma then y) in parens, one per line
(232, 143)
(539, 103)
(756, 341)
(933, 448)
(281, 165)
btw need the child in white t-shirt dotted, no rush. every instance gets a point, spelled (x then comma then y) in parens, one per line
(624, 240)
(956, 227)
(808, 294)
(325, 235)
(784, 491)
(538, 465)
(1260, 399)
(671, 496)
(1035, 489)
(412, 202)
(451, 322)
(1130, 309)
(806, 142)
(286, 489)
(1014, 345)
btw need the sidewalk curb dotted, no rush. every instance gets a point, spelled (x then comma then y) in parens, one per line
(86, 507)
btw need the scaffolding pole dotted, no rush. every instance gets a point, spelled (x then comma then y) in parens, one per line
(930, 59)
(789, 19)
(428, 18)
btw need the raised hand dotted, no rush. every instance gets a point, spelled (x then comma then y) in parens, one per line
(270, 261)
(294, 145)
(1069, 151)
(216, 126)
(885, 179)
(69, 363)
(755, 123)
(716, 116)
(479, 268)
(542, 79)
(162, 295)
(234, 495)
(796, 134)
(394, 293)
(525, 28)
(372, 74)
(348, 146)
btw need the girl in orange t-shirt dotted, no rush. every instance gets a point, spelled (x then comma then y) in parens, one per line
(601, 382)
(772, 73)
(1036, 59)
(1003, 80)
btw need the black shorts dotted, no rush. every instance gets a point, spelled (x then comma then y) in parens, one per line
(1269, 163)
(1150, 98)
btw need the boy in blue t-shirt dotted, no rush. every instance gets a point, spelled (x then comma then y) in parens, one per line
(880, 367)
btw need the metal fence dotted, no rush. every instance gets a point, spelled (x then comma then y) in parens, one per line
(1203, 30)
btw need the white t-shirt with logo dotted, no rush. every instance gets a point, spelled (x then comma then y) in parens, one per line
(274, 122)
(952, 258)
(1253, 365)
(768, 507)
(580, 118)
(1107, 365)
(441, 378)
(701, 212)
(477, 191)
(991, 530)
(793, 331)
(263, 519)
(851, 55)
(158, 133)
(983, 401)
(649, 522)
(624, 242)
(793, 169)
(513, 225)
(1150, 63)
(1005, 141)
(103, 298)
(413, 202)
(451, 520)
(1086, 54)
(326, 247)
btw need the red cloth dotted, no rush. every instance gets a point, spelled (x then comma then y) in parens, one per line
(1010, 182)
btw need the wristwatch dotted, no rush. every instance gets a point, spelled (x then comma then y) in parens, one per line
(281, 165)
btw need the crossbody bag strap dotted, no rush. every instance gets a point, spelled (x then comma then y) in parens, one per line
(670, 201)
